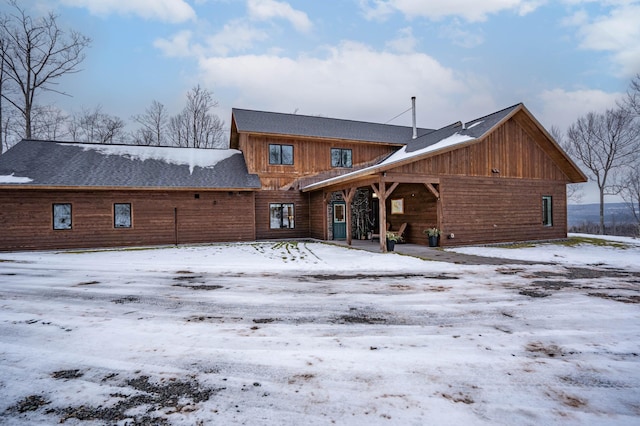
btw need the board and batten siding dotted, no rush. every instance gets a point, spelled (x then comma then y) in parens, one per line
(158, 217)
(310, 157)
(509, 151)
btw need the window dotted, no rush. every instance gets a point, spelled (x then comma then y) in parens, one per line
(281, 154)
(281, 216)
(122, 215)
(547, 211)
(62, 216)
(340, 157)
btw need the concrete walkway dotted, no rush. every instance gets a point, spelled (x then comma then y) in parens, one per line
(434, 253)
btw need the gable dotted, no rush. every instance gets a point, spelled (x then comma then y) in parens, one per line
(509, 150)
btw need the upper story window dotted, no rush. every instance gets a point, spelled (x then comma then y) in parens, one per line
(547, 210)
(281, 154)
(340, 157)
(62, 216)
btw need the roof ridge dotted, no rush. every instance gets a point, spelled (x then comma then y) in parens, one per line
(497, 112)
(320, 117)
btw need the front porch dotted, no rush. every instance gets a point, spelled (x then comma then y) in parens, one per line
(373, 206)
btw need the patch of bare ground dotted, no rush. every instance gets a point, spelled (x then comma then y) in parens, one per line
(151, 401)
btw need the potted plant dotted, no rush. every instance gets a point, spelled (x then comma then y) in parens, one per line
(391, 241)
(433, 234)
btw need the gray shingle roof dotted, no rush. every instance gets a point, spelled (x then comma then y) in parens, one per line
(49, 163)
(303, 125)
(474, 128)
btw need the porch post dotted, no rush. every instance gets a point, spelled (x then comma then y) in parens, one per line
(382, 215)
(348, 197)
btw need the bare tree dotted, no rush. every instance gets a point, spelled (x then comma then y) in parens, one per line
(196, 126)
(153, 124)
(574, 191)
(96, 126)
(35, 53)
(631, 102)
(630, 192)
(605, 144)
(49, 122)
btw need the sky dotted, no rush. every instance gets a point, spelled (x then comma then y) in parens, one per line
(353, 59)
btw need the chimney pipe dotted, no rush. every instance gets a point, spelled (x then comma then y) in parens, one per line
(413, 114)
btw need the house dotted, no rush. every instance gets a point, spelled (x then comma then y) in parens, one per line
(497, 178)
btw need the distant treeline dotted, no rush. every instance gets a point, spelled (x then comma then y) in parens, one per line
(585, 218)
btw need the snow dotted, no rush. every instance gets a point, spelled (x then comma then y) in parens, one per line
(303, 332)
(14, 179)
(583, 254)
(471, 126)
(193, 157)
(402, 153)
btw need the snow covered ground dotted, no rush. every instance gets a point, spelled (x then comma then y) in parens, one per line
(310, 333)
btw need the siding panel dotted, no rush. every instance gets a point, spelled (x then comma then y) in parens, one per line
(26, 218)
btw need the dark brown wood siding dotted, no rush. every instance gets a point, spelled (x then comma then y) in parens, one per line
(317, 216)
(301, 213)
(310, 157)
(419, 211)
(482, 211)
(158, 218)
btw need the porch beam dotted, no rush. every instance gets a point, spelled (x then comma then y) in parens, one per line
(410, 178)
(432, 189)
(391, 189)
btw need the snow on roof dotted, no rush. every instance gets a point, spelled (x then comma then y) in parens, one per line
(193, 157)
(14, 179)
(402, 153)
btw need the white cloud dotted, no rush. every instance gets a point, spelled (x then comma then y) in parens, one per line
(405, 42)
(460, 35)
(179, 45)
(617, 32)
(352, 81)
(562, 108)
(469, 10)
(235, 36)
(264, 10)
(173, 11)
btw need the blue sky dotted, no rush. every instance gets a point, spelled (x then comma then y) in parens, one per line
(354, 59)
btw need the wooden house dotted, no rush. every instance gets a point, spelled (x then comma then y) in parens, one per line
(498, 178)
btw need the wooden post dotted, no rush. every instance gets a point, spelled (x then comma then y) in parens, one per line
(348, 195)
(382, 215)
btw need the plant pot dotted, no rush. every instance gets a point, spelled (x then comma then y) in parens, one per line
(390, 245)
(433, 241)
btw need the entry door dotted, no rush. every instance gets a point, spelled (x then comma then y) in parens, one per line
(339, 221)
